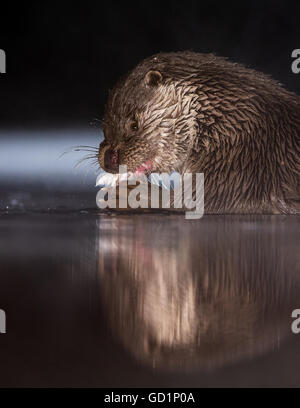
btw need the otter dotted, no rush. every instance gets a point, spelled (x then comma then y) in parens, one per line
(200, 113)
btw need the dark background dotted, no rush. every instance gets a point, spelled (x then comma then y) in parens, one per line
(63, 57)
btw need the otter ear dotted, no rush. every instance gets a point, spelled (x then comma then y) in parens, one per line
(153, 78)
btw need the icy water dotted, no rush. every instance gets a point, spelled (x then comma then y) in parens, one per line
(148, 299)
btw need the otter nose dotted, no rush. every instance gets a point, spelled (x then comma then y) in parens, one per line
(111, 159)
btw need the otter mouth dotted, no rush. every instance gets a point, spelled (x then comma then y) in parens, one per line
(112, 179)
(145, 168)
(109, 160)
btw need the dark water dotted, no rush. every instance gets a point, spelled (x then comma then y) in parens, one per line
(148, 300)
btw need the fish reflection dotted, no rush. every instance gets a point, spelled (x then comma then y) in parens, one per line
(184, 294)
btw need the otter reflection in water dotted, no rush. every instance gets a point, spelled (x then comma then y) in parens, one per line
(184, 294)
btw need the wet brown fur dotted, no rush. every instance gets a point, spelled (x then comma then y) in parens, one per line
(192, 112)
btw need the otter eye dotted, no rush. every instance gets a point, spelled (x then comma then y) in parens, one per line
(134, 126)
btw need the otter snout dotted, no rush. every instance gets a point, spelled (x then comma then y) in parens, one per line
(109, 158)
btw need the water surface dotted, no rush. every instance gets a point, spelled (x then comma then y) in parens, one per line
(108, 299)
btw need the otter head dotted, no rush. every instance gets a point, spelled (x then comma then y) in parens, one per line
(146, 125)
